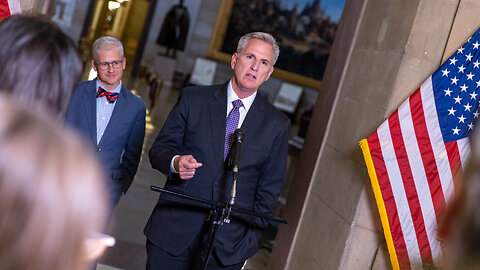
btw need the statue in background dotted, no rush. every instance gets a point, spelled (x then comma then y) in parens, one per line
(174, 29)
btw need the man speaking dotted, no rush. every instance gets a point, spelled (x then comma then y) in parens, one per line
(191, 150)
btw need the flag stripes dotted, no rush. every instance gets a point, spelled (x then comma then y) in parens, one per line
(9, 7)
(389, 219)
(409, 185)
(404, 148)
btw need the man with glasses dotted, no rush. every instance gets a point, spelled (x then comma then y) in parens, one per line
(110, 117)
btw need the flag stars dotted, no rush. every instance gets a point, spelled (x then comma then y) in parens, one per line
(467, 107)
(451, 111)
(456, 131)
(476, 64)
(454, 80)
(445, 72)
(469, 57)
(459, 79)
(470, 76)
(458, 99)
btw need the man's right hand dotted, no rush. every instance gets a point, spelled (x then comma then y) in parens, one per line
(186, 166)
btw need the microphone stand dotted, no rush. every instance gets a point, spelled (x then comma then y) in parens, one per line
(218, 217)
(217, 204)
(219, 214)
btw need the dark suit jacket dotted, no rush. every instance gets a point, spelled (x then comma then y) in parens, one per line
(124, 133)
(196, 126)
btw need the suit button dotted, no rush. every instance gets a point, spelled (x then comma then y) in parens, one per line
(99, 149)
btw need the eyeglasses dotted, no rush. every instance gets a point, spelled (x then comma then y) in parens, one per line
(115, 64)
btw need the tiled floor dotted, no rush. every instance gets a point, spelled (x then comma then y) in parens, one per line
(133, 210)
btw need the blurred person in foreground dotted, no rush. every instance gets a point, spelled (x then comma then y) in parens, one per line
(39, 64)
(459, 227)
(46, 175)
(193, 149)
(51, 194)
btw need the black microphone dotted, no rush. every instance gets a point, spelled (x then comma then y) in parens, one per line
(238, 136)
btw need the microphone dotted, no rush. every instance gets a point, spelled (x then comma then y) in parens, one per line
(234, 161)
(238, 137)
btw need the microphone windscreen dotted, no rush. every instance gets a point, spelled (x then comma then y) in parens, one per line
(238, 135)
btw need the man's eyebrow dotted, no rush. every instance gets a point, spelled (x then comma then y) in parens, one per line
(265, 59)
(261, 59)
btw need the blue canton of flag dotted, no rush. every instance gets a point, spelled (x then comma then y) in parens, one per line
(456, 90)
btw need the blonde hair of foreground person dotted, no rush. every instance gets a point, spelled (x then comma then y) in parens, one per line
(51, 193)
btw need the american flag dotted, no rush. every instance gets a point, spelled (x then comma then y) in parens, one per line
(9, 7)
(413, 157)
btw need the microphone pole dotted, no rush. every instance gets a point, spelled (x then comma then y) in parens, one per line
(234, 161)
(219, 216)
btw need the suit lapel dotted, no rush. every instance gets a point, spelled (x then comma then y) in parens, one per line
(218, 112)
(250, 125)
(89, 102)
(117, 114)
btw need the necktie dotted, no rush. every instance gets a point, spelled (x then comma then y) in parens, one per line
(232, 125)
(111, 96)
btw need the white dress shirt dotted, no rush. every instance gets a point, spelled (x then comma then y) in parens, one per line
(104, 110)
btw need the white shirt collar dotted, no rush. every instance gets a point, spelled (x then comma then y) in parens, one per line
(232, 96)
(116, 90)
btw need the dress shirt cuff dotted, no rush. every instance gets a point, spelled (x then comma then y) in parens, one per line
(172, 167)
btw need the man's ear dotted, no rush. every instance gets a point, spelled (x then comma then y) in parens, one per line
(234, 60)
(270, 73)
(93, 65)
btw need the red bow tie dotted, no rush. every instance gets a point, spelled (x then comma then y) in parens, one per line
(111, 96)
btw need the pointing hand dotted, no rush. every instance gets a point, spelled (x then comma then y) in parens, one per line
(186, 166)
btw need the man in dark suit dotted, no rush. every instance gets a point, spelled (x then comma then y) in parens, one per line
(191, 150)
(110, 117)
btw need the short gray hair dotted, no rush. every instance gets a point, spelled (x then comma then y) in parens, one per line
(242, 43)
(103, 43)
